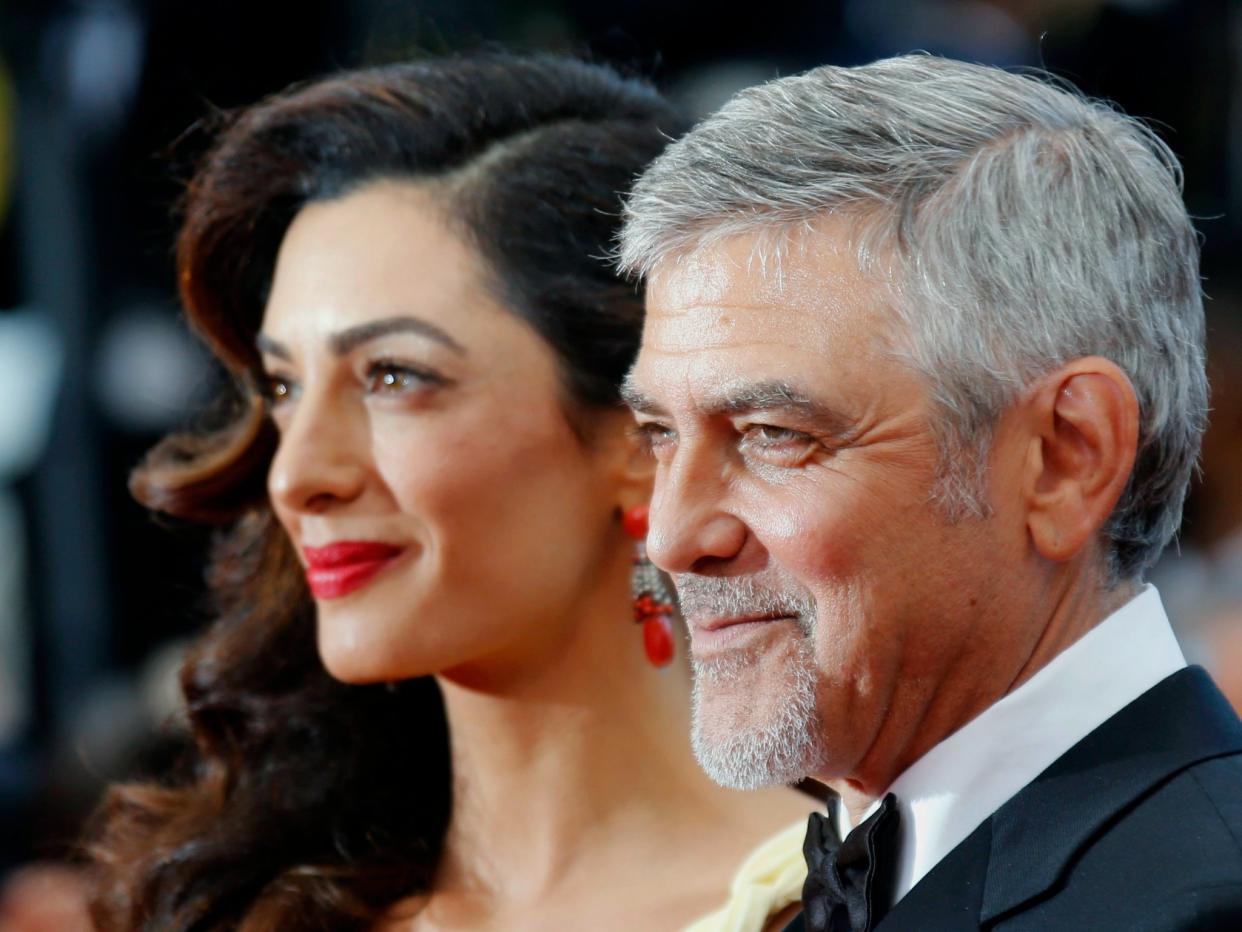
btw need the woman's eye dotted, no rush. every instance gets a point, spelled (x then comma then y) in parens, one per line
(277, 389)
(390, 378)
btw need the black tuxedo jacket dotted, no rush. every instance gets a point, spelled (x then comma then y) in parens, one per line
(1137, 827)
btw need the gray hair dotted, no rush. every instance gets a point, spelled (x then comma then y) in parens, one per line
(1021, 226)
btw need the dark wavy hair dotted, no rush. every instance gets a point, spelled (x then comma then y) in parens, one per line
(310, 804)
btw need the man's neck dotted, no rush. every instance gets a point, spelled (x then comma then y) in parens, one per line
(1079, 610)
(964, 779)
(1069, 606)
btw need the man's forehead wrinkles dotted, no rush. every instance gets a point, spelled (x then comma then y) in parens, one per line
(819, 310)
(699, 314)
(745, 304)
(810, 281)
(713, 326)
(713, 329)
(710, 306)
(688, 334)
(687, 348)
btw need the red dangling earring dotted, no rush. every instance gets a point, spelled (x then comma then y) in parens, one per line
(653, 602)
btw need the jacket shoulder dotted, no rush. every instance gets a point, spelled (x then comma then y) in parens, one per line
(1220, 782)
(1173, 861)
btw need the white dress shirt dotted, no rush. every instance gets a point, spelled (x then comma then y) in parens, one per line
(953, 788)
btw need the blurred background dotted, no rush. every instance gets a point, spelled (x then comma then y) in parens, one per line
(98, 104)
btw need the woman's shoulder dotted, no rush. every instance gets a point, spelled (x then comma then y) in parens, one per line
(768, 880)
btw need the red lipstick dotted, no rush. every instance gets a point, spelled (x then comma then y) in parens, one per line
(343, 567)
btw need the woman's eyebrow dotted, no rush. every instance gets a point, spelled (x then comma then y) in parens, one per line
(349, 339)
(269, 347)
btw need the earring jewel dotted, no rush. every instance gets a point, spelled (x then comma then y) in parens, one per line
(653, 601)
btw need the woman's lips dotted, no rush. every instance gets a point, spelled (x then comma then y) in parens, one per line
(343, 567)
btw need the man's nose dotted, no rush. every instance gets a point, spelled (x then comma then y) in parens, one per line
(690, 528)
(321, 458)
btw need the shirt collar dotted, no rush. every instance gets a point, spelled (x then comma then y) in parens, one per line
(954, 787)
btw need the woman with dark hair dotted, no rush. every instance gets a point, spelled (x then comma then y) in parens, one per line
(425, 704)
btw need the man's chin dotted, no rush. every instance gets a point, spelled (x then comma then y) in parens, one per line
(755, 759)
(746, 737)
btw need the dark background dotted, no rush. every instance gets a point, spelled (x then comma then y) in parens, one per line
(97, 113)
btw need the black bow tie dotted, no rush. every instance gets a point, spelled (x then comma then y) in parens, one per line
(849, 883)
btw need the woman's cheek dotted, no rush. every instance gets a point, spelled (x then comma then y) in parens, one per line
(415, 459)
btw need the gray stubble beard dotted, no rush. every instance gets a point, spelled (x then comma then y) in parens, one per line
(789, 745)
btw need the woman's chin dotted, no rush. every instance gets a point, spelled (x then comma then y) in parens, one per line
(357, 652)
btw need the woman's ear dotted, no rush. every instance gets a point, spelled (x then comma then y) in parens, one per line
(638, 471)
(628, 460)
(1083, 436)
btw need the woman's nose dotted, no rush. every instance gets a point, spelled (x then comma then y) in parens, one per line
(321, 458)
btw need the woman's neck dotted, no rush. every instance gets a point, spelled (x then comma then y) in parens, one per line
(593, 745)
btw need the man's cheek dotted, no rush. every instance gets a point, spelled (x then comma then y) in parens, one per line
(786, 517)
(814, 545)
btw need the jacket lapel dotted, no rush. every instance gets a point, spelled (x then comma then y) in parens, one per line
(949, 898)
(1177, 723)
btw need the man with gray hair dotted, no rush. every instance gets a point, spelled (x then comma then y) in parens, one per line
(923, 376)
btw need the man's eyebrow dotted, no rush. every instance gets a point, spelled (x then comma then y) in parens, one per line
(349, 339)
(639, 402)
(757, 396)
(775, 395)
(747, 398)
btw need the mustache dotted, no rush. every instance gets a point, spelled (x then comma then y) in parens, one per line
(728, 596)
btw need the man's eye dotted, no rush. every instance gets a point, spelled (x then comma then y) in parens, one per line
(778, 444)
(766, 434)
(654, 437)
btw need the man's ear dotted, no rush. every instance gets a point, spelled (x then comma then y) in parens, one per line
(1082, 422)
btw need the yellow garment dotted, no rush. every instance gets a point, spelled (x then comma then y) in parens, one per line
(768, 881)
